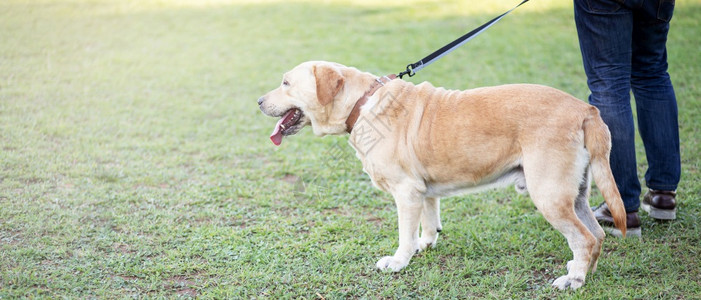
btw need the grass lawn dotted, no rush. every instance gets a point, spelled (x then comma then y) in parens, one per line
(134, 161)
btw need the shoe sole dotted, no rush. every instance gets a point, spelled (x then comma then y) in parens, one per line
(630, 232)
(659, 214)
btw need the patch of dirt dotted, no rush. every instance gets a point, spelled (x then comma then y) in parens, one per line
(188, 292)
(290, 178)
(127, 278)
(184, 286)
(123, 248)
(375, 220)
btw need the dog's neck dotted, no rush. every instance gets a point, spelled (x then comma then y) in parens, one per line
(355, 112)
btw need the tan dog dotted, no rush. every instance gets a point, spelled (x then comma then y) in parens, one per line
(420, 143)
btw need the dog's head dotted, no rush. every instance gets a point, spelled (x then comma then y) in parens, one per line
(314, 93)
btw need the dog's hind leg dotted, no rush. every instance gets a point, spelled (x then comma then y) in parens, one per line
(410, 203)
(584, 213)
(554, 188)
(430, 223)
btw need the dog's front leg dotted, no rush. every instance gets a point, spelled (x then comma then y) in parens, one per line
(430, 223)
(409, 206)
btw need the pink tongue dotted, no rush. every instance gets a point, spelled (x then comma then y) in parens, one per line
(276, 136)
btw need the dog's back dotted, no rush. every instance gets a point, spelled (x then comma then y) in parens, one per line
(475, 134)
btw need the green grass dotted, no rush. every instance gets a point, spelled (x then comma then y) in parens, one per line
(134, 161)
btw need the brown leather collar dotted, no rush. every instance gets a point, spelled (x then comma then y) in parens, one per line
(355, 112)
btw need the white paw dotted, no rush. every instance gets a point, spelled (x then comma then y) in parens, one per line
(426, 242)
(566, 281)
(520, 185)
(391, 263)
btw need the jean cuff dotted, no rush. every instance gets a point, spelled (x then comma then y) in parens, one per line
(663, 187)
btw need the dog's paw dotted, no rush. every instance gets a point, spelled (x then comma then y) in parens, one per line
(391, 263)
(520, 184)
(566, 281)
(427, 242)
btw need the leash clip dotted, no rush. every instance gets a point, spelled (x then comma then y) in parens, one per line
(409, 71)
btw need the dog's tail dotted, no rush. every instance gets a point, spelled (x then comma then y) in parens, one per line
(597, 140)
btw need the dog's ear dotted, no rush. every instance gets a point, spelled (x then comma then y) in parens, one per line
(329, 82)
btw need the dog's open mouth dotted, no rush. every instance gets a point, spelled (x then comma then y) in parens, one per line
(286, 125)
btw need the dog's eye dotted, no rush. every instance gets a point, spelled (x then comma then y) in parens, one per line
(286, 83)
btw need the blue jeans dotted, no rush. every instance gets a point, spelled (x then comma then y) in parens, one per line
(623, 44)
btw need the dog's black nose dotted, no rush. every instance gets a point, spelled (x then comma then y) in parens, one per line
(260, 100)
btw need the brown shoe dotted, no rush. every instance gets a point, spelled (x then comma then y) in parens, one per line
(603, 215)
(660, 205)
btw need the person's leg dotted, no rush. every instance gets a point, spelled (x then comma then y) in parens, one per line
(654, 95)
(605, 37)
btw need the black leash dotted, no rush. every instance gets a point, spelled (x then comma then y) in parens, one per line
(411, 69)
